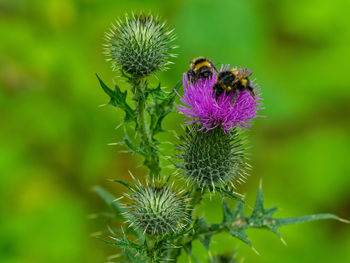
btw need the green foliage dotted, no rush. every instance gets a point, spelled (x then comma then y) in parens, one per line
(168, 246)
(158, 108)
(224, 258)
(110, 200)
(163, 104)
(237, 223)
(118, 100)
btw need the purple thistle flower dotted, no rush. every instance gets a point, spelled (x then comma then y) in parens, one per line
(201, 106)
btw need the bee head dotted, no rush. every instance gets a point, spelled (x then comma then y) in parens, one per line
(234, 72)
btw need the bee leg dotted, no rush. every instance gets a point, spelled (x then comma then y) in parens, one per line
(213, 66)
(251, 91)
(217, 90)
(235, 95)
(191, 76)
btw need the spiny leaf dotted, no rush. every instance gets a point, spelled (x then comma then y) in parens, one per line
(303, 219)
(227, 212)
(262, 217)
(118, 100)
(109, 200)
(237, 223)
(200, 225)
(225, 258)
(239, 232)
(229, 193)
(163, 104)
(123, 243)
(232, 217)
(195, 259)
(259, 204)
(133, 257)
(127, 185)
(132, 147)
(205, 240)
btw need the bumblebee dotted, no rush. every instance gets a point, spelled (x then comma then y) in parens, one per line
(200, 68)
(232, 81)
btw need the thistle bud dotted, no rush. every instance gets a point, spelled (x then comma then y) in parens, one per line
(140, 45)
(156, 210)
(213, 158)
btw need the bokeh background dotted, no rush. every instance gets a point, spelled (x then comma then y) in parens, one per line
(53, 135)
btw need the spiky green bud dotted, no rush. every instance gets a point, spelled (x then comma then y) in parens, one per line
(156, 210)
(213, 158)
(140, 45)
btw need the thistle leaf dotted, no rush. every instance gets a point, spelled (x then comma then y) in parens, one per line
(110, 200)
(225, 191)
(303, 219)
(133, 148)
(123, 243)
(205, 240)
(239, 232)
(127, 185)
(118, 100)
(163, 104)
(237, 223)
(224, 258)
(131, 256)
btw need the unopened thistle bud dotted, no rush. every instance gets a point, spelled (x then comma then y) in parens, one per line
(156, 210)
(140, 45)
(213, 158)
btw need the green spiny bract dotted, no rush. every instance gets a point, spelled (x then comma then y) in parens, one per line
(156, 210)
(213, 158)
(139, 46)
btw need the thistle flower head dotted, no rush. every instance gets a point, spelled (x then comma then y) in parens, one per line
(140, 45)
(156, 210)
(200, 105)
(213, 158)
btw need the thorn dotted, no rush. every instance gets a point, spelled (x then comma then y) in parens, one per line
(249, 207)
(118, 126)
(344, 220)
(117, 199)
(92, 216)
(96, 234)
(256, 252)
(132, 176)
(114, 256)
(283, 241)
(113, 238)
(260, 183)
(110, 230)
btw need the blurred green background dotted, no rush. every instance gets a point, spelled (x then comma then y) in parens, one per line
(53, 135)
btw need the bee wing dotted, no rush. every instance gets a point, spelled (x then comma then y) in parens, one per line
(213, 66)
(246, 72)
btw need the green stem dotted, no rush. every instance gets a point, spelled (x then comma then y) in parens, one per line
(150, 151)
(195, 198)
(212, 229)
